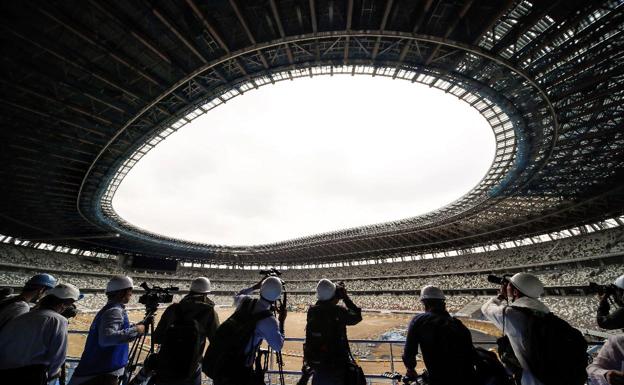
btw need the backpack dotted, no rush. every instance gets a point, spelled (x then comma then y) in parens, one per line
(182, 344)
(325, 343)
(557, 352)
(225, 356)
(454, 341)
(489, 370)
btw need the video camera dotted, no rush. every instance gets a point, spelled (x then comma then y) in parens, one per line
(596, 288)
(272, 272)
(498, 280)
(156, 295)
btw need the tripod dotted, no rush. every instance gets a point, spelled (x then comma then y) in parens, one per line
(138, 344)
(278, 355)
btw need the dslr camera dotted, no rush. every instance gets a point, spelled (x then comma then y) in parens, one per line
(156, 295)
(595, 288)
(498, 280)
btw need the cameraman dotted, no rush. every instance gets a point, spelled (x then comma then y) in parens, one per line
(106, 351)
(197, 310)
(614, 320)
(326, 348)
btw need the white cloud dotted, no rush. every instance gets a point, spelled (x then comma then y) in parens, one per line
(309, 156)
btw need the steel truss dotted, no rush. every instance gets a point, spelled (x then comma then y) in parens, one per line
(90, 87)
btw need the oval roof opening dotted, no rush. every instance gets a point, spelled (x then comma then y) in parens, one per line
(309, 156)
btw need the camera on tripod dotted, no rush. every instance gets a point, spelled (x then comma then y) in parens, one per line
(156, 295)
(272, 272)
(596, 288)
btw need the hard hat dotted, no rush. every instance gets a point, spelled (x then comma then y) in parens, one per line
(200, 285)
(271, 289)
(119, 282)
(45, 280)
(325, 290)
(431, 292)
(527, 284)
(65, 291)
(619, 282)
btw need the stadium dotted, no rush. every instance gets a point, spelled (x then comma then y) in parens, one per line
(91, 87)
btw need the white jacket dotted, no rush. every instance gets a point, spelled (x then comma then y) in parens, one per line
(513, 323)
(610, 357)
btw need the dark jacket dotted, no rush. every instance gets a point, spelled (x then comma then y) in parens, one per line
(611, 321)
(326, 332)
(193, 307)
(446, 346)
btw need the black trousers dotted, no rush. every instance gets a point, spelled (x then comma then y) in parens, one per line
(27, 375)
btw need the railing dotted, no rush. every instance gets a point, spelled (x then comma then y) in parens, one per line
(373, 367)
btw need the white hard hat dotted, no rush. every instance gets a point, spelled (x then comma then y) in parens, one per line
(271, 289)
(119, 282)
(431, 292)
(527, 284)
(65, 291)
(619, 282)
(200, 285)
(325, 290)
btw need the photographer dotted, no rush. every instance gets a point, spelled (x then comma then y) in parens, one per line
(106, 351)
(326, 348)
(33, 345)
(522, 291)
(443, 339)
(614, 320)
(230, 357)
(182, 333)
(34, 289)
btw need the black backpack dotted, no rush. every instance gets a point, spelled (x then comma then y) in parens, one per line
(225, 356)
(489, 370)
(557, 352)
(455, 342)
(182, 344)
(324, 343)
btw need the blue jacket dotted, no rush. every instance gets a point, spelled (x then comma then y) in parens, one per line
(101, 355)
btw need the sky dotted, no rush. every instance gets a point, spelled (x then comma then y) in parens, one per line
(308, 156)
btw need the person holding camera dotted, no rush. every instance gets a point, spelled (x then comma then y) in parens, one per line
(33, 290)
(326, 349)
(608, 366)
(521, 290)
(33, 345)
(106, 351)
(604, 317)
(443, 340)
(182, 333)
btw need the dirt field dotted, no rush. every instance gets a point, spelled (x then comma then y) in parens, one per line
(374, 358)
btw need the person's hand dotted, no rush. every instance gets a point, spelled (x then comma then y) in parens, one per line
(502, 293)
(615, 377)
(140, 328)
(341, 292)
(258, 285)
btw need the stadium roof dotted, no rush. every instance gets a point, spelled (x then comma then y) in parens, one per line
(88, 87)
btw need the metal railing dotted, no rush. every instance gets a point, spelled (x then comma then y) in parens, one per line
(373, 376)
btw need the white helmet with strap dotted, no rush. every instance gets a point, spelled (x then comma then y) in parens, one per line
(325, 290)
(119, 282)
(271, 289)
(200, 285)
(527, 284)
(619, 282)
